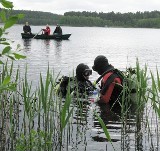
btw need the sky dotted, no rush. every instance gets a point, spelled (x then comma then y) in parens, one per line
(62, 6)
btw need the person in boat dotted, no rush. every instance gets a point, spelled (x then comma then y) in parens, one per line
(80, 83)
(111, 83)
(47, 30)
(27, 28)
(58, 30)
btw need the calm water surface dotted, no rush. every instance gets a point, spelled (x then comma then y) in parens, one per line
(120, 45)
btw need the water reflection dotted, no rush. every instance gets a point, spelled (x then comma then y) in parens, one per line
(47, 44)
(81, 112)
(79, 124)
(129, 126)
(58, 48)
(27, 44)
(107, 114)
(110, 119)
(58, 45)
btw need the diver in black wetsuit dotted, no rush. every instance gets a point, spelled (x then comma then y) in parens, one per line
(80, 83)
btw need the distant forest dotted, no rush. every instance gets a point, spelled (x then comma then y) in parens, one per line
(37, 17)
(138, 20)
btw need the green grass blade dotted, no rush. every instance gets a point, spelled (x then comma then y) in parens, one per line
(103, 126)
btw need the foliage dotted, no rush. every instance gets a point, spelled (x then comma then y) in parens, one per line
(144, 19)
(148, 23)
(42, 116)
(138, 19)
(23, 142)
(155, 90)
(82, 21)
(103, 126)
(6, 51)
(37, 17)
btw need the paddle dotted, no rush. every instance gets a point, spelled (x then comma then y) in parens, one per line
(37, 33)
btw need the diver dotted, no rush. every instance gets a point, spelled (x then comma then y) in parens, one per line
(79, 85)
(111, 83)
(117, 88)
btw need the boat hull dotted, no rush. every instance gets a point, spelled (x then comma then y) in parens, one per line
(28, 36)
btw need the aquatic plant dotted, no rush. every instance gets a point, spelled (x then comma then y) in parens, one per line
(7, 51)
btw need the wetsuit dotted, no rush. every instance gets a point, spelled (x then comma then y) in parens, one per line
(111, 86)
(82, 87)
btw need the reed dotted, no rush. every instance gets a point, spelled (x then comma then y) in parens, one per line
(147, 92)
(30, 107)
(39, 119)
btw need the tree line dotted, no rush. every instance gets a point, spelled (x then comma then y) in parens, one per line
(36, 17)
(139, 19)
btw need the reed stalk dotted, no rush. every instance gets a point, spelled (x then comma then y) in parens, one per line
(41, 120)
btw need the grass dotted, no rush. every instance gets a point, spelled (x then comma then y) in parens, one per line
(38, 119)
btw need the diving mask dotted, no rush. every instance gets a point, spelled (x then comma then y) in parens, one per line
(87, 72)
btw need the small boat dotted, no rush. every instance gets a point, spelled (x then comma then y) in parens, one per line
(42, 36)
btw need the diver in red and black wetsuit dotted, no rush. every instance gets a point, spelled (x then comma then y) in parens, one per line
(111, 83)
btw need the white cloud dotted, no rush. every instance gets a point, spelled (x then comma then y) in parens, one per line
(61, 6)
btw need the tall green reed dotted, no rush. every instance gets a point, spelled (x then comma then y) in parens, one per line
(155, 89)
(32, 119)
(134, 98)
(137, 104)
(41, 120)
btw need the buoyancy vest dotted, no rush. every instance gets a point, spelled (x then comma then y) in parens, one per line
(111, 84)
(108, 79)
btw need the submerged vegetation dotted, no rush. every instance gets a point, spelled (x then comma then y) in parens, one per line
(38, 119)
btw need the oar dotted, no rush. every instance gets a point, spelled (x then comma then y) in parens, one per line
(37, 33)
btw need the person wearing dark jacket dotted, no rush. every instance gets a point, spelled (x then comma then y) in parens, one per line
(58, 30)
(82, 75)
(27, 28)
(80, 83)
(111, 83)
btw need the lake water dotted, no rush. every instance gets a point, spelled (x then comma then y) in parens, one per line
(120, 45)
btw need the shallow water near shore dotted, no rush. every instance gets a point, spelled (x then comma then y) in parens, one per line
(121, 46)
